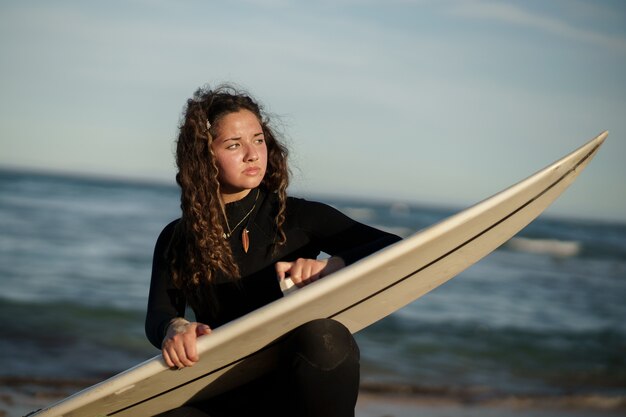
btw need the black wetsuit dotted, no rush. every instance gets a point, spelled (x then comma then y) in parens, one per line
(311, 228)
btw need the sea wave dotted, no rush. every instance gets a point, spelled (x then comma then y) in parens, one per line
(551, 247)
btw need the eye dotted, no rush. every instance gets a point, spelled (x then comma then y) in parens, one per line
(233, 146)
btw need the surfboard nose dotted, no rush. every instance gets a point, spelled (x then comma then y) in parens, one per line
(594, 144)
(601, 137)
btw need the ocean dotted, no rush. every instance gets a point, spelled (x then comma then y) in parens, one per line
(543, 315)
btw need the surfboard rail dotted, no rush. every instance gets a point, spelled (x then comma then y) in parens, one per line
(357, 296)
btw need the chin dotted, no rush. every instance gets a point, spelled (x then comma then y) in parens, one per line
(254, 183)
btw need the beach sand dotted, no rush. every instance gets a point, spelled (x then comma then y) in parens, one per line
(370, 405)
(19, 396)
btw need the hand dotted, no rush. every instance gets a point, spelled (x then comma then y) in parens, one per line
(304, 271)
(179, 344)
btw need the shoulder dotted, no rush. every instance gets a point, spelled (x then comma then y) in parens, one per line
(302, 203)
(168, 230)
(293, 205)
(165, 237)
(310, 214)
(299, 206)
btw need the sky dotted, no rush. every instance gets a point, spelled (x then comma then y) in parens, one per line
(432, 102)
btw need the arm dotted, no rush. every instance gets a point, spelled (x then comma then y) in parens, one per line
(334, 233)
(165, 325)
(164, 301)
(339, 235)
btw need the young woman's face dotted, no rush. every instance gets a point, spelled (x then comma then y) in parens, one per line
(241, 153)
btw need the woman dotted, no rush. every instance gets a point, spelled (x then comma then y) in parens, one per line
(240, 234)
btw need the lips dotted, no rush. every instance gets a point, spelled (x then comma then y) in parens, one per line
(252, 171)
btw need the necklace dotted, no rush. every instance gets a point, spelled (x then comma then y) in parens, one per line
(244, 234)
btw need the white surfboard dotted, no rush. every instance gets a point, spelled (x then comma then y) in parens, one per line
(357, 296)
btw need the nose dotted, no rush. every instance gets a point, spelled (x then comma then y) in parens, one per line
(252, 154)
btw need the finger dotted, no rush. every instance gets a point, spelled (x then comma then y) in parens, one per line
(282, 268)
(190, 347)
(311, 270)
(181, 354)
(317, 269)
(176, 362)
(295, 273)
(167, 359)
(302, 265)
(202, 330)
(305, 273)
(192, 355)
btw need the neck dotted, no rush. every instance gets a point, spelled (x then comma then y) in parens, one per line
(232, 197)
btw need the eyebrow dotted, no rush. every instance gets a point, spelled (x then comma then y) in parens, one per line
(233, 138)
(239, 137)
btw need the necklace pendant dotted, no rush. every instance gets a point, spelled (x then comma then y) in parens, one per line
(225, 235)
(245, 240)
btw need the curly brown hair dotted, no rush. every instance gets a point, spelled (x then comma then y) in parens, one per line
(198, 250)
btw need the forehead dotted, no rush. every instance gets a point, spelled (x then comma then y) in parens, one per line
(242, 121)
